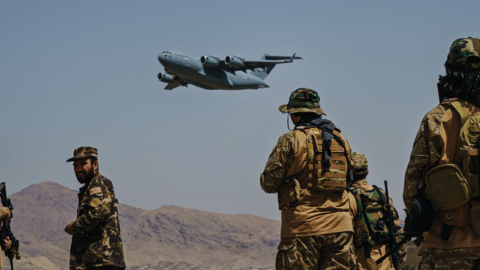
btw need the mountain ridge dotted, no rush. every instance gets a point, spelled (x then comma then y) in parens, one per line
(167, 235)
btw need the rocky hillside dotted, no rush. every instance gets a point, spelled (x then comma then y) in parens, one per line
(169, 237)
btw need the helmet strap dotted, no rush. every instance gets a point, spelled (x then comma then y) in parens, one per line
(288, 122)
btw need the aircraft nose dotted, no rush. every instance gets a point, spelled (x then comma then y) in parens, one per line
(161, 57)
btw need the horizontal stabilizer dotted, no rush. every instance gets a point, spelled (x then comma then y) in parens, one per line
(276, 57)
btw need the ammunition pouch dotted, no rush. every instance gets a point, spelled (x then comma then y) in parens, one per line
(457, 217)
(446, 187)
(289, 193)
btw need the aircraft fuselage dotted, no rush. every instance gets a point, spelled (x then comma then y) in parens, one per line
(190, 69)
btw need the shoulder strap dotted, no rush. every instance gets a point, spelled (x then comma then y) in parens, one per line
(380, 194)
(462, 111)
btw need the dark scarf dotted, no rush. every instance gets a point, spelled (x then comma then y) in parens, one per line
(327, 127)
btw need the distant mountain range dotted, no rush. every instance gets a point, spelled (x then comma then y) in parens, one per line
(169, 237)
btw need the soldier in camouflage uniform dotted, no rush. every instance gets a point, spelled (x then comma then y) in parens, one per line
(307, 169)
(360, 186)
(97, 242)
(435, 145)
(5, 215)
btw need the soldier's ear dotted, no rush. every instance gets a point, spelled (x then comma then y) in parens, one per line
(367, 172)
(95, 165)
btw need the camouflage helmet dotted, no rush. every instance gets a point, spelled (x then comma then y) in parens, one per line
(303, 100)
(84, 152)
(361, 163)
(464, 53)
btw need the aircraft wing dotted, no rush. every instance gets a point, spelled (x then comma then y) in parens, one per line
(173, 85)
(265, 62)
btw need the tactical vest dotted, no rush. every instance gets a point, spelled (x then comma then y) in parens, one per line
(450, 186)
(370, 225)
(316, 175)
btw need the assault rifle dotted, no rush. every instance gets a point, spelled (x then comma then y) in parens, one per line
(392, 234)
(6, 229)
(418, 221)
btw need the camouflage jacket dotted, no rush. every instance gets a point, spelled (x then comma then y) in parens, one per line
(97, 240)
(425, 153)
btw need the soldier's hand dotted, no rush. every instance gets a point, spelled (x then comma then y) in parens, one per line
(8, 243)
(68, 228)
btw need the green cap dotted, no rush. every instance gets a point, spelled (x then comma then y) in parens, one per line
(303, 100)
(464, 53)
(361, 163)
(84, 152)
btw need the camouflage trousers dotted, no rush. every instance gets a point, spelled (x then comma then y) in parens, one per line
(455, 258)
(317, 252)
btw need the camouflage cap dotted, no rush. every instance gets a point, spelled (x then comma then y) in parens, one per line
(464, 53)
(361, 163)
(84, 152)
(303, 100)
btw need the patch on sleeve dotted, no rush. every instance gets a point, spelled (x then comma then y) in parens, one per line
(95, 202)
(95, 190)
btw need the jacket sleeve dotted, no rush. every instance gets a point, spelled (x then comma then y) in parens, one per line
(278, 164)
(95, 210)
(425, 153)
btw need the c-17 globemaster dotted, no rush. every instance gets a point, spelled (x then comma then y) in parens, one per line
(209, 72)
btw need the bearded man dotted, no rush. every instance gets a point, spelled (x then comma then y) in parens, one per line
(97, 242)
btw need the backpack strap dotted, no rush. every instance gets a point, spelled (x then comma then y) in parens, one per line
(464, 115)
(380, 194)
(307, 130)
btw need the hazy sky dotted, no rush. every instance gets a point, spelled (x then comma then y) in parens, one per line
(76, 73)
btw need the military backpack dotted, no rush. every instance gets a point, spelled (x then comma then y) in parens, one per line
(370, 225)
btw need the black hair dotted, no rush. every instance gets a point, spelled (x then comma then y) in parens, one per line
(307, 115)
(460, 83)
(359, 176)
(92, 160)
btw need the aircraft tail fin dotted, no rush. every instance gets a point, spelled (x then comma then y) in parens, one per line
(263, 73)
(268, 69)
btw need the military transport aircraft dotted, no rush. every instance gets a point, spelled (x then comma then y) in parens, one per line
(209, 72)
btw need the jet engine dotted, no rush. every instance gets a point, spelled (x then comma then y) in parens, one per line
(233, 61)
(164, 77)
(209, 61)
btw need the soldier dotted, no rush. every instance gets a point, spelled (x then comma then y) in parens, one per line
(97, 242)
(444, 164)
(373, 223)
(308, 170)
(5, 218)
